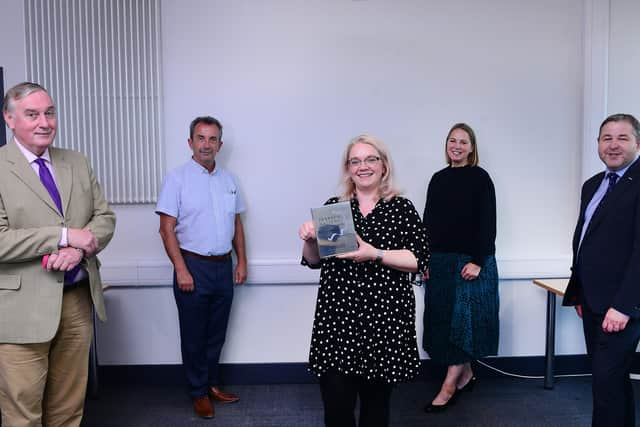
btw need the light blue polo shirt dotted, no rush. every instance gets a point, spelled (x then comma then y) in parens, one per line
(204, 204)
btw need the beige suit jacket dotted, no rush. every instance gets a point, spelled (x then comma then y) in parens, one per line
(30, 227)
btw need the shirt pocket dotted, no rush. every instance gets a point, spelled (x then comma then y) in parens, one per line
(229, 202)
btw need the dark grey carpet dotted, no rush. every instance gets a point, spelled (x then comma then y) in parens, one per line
(494, 402)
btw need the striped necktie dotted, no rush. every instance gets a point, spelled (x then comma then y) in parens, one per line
(613, 179)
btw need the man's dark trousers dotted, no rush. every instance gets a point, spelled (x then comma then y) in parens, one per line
(204, 315)
(611, 355)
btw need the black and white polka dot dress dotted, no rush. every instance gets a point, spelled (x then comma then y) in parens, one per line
(365, 314)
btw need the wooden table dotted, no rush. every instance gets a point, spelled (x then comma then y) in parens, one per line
(553, 287)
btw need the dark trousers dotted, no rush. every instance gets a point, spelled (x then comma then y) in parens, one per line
(339, 395)
(611, 357)
(204, 315)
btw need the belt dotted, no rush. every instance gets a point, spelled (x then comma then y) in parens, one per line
(76, 285)
(212, 258)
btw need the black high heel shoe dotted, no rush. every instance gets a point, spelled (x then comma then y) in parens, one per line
(468, 387)
(430, 408)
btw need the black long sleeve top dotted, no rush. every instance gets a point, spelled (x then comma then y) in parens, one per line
(460, 212)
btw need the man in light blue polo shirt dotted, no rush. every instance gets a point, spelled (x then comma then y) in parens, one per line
(199, 208)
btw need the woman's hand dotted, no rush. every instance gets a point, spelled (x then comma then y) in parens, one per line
(365, 252)
(470, 271)
(397, 259)
(307, 231)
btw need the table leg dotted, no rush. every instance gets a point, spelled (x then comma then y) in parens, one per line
(549, 354)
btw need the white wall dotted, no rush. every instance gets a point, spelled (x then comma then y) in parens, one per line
(292, 81)
(12, 50)
(624, 58)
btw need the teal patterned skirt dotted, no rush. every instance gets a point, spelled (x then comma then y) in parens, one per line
(461, 316)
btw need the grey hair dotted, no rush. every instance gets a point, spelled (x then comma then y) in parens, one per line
(19, 91)
(207, 120)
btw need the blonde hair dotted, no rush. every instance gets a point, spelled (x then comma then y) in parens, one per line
(387, 187)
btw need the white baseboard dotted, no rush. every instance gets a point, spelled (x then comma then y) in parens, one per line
(140, 272)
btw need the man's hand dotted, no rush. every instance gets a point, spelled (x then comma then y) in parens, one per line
(185, 280)
(64, 260)
(82, 238)
(578, 308)
(614, 321)
(240, 274)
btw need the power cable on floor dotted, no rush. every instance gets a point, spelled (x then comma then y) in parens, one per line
(532, 377)
(632, 375)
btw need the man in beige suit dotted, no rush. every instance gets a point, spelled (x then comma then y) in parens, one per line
(53, 221)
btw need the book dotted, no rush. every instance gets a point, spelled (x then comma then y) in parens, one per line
(335, 232)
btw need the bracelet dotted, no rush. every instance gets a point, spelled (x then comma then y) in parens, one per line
(379, 255)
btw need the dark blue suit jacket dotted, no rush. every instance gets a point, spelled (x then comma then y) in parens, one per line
(606, 269)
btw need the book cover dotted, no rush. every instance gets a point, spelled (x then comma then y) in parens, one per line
(335, 232)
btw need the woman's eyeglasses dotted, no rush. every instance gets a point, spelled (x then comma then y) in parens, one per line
(369, 161)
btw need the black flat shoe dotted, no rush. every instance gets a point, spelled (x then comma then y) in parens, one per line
(430, 408)
(468, 387)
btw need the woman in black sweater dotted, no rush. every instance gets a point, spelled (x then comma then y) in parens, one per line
(461, 298)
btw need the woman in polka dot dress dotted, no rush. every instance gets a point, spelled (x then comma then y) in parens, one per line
(364, 337)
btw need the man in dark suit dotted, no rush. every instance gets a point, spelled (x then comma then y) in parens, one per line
(605, 281)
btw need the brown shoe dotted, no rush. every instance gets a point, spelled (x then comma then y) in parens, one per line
(202, 407)
(222, 397)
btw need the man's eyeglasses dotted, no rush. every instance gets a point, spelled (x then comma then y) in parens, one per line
(369, 161)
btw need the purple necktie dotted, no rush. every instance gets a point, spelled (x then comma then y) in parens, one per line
(50, 185)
